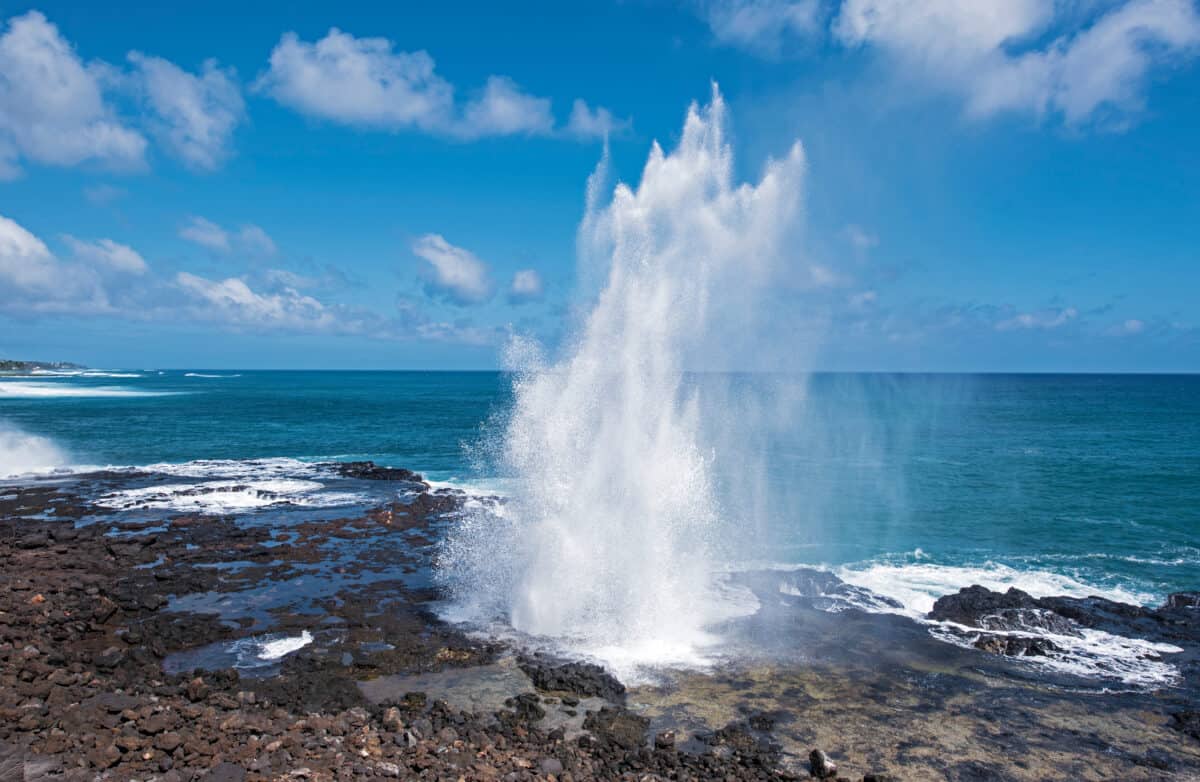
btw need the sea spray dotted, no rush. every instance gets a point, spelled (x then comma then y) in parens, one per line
(606, 544)
(22, 453)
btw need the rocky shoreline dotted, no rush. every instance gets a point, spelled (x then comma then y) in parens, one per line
(170, 645)
(87, 621)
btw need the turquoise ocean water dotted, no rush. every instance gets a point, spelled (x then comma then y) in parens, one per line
(909, 484)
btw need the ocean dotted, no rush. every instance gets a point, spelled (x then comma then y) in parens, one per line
(910, 485)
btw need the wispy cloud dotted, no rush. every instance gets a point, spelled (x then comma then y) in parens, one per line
(1050, 318)
(1078, 62)
(106, 252)
(250, 238)
(365, 82)
(762, 26)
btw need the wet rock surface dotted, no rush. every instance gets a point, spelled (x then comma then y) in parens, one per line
(147, 649)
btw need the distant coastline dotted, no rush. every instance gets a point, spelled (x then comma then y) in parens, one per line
(8, 365)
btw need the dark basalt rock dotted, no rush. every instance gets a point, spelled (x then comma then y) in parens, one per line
(1015, 645)
(1187, 722)
(1029, 620)
(369, 471)
(1182, 600)
(968, 606)
(617, 726)
(583, 679)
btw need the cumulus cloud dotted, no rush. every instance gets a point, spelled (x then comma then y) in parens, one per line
(365, 82)
(997, 54)
(1080, 62)
(502, 109)
(233, 302)
(194, 114)
(250, 238)
(526, 286)
(107, 253)
(34, 280)
(52, 106)
(762, 26)
(55, 109)
(454, 274)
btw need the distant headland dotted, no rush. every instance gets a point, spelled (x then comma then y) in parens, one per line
(12, 365)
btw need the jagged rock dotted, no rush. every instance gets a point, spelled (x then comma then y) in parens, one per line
(969, 605)
(585, 679)
(820, 766)
(1183, 600)
(1187, 722)
(1029, 620)
(369, 471)
(618, 726)
(1015, 645)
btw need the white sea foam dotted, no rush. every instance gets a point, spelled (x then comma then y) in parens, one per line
(606, 542)
(202, 374)
(1094, 654)
(227, 496)
(22, 453)
(24, 390)
(917, 585)
(281, 647)
(279, 467)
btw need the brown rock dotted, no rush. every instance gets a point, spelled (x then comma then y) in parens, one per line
(168, 741)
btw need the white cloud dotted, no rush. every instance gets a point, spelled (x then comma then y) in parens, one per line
(586, 122)
(26, 262)
(52, 107)
(455, 274)
(502, 109)
(107, 253)
(33, 280)
(364, 82)
(233, 302)
(249, 238)
(358, 81)
(1045, 319)
(195, 115)
(257, 241)
(998, 56)
(526, 287)
(762, 26)
(206, 233)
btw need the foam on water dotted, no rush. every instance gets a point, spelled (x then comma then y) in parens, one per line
(204, 375)
(606, 543)
(227, 496)
(1094, 654)
(34, 390)
(917, 585)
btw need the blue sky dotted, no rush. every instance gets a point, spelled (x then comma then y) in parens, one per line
(990, 186)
